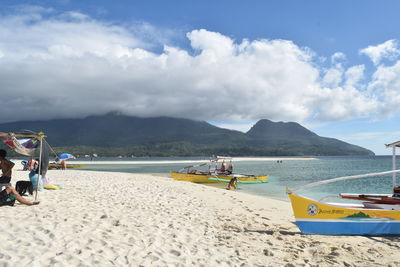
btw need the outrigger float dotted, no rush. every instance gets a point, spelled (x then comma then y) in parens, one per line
(377, 214)
(212, 174)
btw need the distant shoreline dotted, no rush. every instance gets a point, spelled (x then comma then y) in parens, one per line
(140, 162)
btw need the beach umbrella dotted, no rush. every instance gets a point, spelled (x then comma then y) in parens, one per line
(65, 156)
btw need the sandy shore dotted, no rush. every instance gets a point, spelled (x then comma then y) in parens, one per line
(97, 161)
(105, 219)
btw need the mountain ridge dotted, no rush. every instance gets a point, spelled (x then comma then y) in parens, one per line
(112, 134)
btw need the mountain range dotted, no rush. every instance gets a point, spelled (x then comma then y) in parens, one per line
(116, 134)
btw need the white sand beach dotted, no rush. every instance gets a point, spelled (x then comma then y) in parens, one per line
(106, 218)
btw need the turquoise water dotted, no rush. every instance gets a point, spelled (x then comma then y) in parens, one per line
(289, 173)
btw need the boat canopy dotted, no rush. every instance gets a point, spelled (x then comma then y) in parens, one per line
(222, 158)
(395, 144)
(211, 163)
(307, 186)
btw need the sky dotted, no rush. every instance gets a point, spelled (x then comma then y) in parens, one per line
(332, 66)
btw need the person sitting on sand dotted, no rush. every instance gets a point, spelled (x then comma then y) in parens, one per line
(6, 167)
(223, 167)
(9, 195)
(232, 184)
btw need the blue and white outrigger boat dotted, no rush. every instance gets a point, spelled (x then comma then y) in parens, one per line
(377, 214)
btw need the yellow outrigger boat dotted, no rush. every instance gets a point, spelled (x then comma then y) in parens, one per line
(213, 174)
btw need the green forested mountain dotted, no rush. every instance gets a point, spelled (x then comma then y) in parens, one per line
(114, 134)
(292, 138)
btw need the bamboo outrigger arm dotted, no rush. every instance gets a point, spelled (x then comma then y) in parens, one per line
(307, 186)
(393, 172)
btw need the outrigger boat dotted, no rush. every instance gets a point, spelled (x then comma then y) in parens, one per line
(377, 214)
(212, 174)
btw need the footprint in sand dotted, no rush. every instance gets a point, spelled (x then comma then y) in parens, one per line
(301, 245)
(175, 252)
(268, 252)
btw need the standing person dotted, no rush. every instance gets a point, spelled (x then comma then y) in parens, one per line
(230, 168)
(6, 167)
(31, 164)
(63, 164)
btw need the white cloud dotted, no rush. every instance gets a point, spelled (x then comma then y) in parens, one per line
(389, 50)
(338, 57)
(242, 126)
(354, 75)
(343, 103)
(385, 86)
(333, 77)
(211, 43)
(70, 65)
(69, 35)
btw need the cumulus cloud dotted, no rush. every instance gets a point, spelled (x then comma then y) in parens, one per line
(385, 86)
(71, 65)
(354, 76)
(389, 50)
(333, 77)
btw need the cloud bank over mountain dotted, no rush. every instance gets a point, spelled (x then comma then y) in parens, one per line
(61, 65)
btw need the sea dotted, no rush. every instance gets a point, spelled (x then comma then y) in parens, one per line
(284, 173)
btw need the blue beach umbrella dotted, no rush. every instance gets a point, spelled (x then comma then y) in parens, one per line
(65, 156)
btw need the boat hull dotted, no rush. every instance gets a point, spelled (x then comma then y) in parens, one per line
(209, 178)
(69, 166)
(337, 227)
(313, 217)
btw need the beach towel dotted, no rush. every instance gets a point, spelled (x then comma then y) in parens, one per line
(6, 199)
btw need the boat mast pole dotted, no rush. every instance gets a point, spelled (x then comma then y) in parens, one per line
(394, 166)
(39, 167)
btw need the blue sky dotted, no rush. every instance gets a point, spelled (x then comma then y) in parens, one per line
(332, 66)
